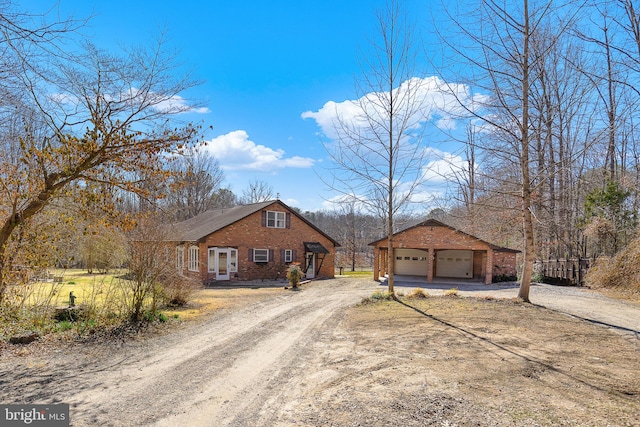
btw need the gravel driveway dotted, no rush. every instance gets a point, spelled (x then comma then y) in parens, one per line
(232, 368)
(579, 302)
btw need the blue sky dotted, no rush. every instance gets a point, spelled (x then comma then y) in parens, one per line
(263, 66)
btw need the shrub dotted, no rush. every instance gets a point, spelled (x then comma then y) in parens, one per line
(150, 315)
(294, 274)
(537, 278)
(378, 296)
(178, 289)
(65, 325)
(418, 293)
(453, 292)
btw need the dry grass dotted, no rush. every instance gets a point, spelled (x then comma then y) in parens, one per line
(468, 361)
(620, 274)
(206, 301)
(418, 293)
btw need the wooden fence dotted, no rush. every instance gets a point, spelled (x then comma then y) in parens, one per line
(568, 271)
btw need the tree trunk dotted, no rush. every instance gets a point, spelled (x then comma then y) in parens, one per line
(529, 248)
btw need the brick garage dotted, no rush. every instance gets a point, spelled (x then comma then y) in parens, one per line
(435, 250)
(249, 242)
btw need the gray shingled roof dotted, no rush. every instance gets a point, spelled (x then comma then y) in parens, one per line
(208, 222)
(200, 226)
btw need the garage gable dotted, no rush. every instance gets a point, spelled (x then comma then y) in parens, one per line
(433, 249)
(436, 235)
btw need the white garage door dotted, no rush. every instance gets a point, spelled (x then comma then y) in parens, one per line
(411, 262)
(458, 264)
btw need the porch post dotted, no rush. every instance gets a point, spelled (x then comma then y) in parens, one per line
(430, 265)
(383, 260)
(489, 273)
(376, 263)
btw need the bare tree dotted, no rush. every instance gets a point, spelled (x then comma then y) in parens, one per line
(152, 274)
(257, 191)
(354, 230)
(93, 118)
(377, 153)
(197, 179)
(506, 66)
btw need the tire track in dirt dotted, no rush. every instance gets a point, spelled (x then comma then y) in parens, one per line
(225, 366)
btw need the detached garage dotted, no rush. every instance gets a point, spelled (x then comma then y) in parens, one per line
(435, 250)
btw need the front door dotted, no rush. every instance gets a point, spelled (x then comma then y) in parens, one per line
(222, 265)
(222, 262)
(311, 265)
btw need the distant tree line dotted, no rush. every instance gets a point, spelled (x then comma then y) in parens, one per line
(556, 138)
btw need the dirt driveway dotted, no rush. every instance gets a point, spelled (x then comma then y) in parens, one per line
(315, 358)
(582, 303)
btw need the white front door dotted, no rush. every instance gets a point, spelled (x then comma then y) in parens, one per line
(310, 260)
(222, 265)
(223, 262)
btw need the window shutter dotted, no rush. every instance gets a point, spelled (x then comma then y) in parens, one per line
(270, 254)
(250, 255)
(288, 220)
(282, 255)
(264, 218)
(293, 255)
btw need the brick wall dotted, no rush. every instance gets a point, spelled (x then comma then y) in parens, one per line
(438, 237)
(504, 263)
(249, 233)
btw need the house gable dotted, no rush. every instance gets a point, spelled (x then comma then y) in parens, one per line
(265, 237)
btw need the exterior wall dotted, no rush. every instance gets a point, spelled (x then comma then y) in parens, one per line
(504, 263)
(486, 261)
(249, 233)
(436, 237)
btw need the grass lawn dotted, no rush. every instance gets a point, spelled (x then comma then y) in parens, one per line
(96, 289)
(85, 286)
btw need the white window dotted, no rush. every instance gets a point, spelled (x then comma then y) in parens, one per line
(180, 258)
(288, 255)
(260, 255)
(212, 260)
(276, 219)
(233, 260)
(194, 255)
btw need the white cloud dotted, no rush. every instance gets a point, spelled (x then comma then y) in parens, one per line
(235, 151)
(177, 104)
(442, 166)
(428, 98)
(291, 202)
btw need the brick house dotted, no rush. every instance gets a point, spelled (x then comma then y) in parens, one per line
(435, 250)
(249, 242)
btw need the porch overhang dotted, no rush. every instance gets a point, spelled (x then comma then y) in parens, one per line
(315, 247)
